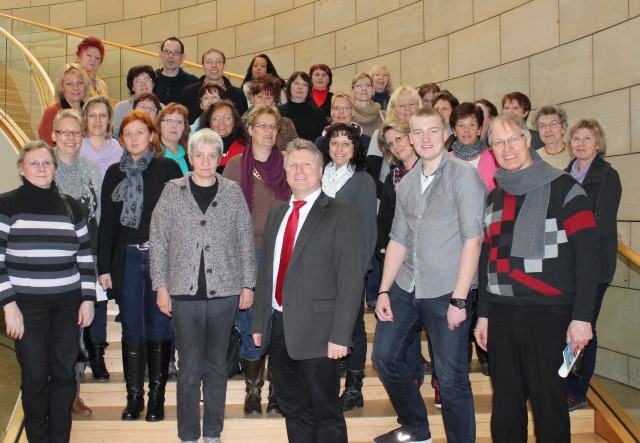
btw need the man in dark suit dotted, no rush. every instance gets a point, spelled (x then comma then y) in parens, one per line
(309, 286)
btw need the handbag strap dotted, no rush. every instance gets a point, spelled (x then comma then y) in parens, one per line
(66, 205)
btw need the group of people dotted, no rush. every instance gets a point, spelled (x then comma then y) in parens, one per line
(283, 208)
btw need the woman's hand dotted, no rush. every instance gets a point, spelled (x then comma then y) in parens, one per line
(13, 319)
(105, 281)
(246, 299)
(163, 300)
(481, 332)
(86, 313)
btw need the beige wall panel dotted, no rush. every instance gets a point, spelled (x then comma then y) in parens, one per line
(110, 66)
(562, 74)
(55, 65)
(224, 40)
(234, 12)
(37, 14)
(634, 369)
(612, 365)
(156, 28)
(612, 112)
(95, 30)
(621, 276)
(126, 32)
(391, 61)
(494, 83)
(462, 87)
(583, 17)
(357, 42)
(342, 78)
(628, 167)
(190, 49)
(283, 59)
(316, 50)
(635, 117)
(425, 63)
(295, 25)
(171, 5)
(298, 3)
(197, 19)
(256, 36)
(104, 11)
(68, 15)
(331, 15)
(134, 9)
(529, 29)
(238, 65)
(634, 8)
(484, 9)
(618, 324)
(634, 271)
(130, 59)
(616, 57)
(114, 87)
(404, 3)
(475, 48)
(265, 8)
(42, 2)
(443, 17)
(401, 29)
(10, 4)
(368, 9)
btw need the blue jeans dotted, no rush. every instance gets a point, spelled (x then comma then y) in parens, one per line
(99, 325)
(248, 349)
(391, 345)
(139, 314)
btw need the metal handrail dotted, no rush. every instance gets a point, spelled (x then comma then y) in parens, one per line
(108, 43)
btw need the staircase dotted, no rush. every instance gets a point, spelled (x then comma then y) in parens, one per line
(377, 417)
(19, 99)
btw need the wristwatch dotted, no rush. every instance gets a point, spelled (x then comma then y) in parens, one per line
(458, 303)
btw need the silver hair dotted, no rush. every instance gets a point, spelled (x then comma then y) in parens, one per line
(206, 136)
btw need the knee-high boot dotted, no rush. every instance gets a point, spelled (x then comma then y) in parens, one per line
(272, 404)
(254, 380)
(158, 353)
(134, 359)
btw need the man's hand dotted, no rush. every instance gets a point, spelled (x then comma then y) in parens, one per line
(383, 308)
(579, 333)
(13, 319)
(246, 299)
(257, 339)
(482, 332)
(86, 313)
(455, 317)
(163, 300)
(336, 351)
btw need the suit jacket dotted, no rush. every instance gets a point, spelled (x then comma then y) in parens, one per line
(324, 284)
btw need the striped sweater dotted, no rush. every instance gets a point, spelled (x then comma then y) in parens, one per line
(42, 251)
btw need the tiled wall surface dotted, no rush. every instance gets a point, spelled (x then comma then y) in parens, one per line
(582, 54)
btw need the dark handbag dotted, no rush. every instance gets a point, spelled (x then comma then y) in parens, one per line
(233, 355)
(86, 350)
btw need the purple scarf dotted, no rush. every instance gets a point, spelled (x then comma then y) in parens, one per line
(271, 173)
(399, 172)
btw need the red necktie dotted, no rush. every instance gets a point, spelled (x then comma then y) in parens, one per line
(287, 247)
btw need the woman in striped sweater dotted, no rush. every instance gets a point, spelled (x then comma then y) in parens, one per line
(47, 290)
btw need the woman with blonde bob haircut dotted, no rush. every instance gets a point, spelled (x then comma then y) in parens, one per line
(382, 86)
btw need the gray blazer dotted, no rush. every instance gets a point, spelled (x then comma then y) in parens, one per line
(324, 284)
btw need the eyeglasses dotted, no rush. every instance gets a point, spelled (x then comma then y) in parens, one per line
(147, 108)
(586, 139)
(339, 108)
(395, 141)
(35, 164)
(265, 126)
(142, 80)
(67, 133)
(223, 117)
(552, 124)
(514, 139)
(363, 86)
(171, 121)
(168, 53)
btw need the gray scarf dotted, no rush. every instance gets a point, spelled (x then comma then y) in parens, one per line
(130, 190)
(468, 152)
(534, 183)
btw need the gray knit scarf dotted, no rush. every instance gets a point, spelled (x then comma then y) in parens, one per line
(535, 183)
(468, 152)
(130, 190)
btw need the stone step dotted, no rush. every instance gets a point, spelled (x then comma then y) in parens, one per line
(363, 424)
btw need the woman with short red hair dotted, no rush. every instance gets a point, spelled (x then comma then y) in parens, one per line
(90, 55)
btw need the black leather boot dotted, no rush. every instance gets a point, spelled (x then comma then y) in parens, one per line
(134, 360)
(254, 381)
(158, 353)
(272, 403)
(352, 395)
(98, 367)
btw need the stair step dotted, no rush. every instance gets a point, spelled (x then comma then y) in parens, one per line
(377, 417)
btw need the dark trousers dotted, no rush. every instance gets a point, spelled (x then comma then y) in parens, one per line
(99, 325)
(358, 357)
(47, 355)
(525, 351)
(203, 328)
(308, 393)
(578, 386)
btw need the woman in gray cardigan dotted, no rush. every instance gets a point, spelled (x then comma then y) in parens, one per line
(346, 178)
(202, 259)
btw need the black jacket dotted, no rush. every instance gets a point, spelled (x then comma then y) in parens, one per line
(189, 98)
(169, 89)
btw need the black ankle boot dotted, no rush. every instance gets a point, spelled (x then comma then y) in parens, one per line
(98, 367)
(134, 360)
(254, 380)
(272, 403)
(158, 353)
(352, 395)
